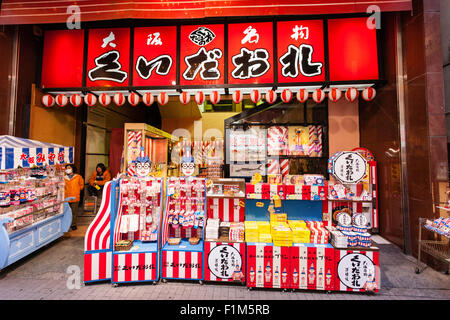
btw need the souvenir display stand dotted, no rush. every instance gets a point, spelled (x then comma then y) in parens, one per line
(33, 210)
(182, 230)
(281, 262)
(352, 207)
(122, 243)
(225, 255)
(136, 247)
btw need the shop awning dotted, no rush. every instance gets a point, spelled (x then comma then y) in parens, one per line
(18, 152)
(56, 11)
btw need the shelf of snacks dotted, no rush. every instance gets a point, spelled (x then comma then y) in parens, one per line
(136, 231)
(33, 211)
(183, 229)
(224, 232)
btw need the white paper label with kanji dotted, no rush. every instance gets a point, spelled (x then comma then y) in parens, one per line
(349, 167)
(224, 260)
(355, 269)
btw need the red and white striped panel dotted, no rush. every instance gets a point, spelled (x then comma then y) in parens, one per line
(268, 266)
(132, 267)
(312, 268)
(352, 270)
(260, 190)
(273, 166)
(226, 209)
(209, 273)
(98, 233)
(117, 234)
(97, 266)
(284, 167)
(182, 265)
(277, 140)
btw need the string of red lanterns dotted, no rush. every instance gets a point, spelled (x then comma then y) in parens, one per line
(302, 95)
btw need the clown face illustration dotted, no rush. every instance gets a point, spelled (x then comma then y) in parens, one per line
(328, 277)
(252, 275)
(143, 167)
(320, 278)
(311, 275)
(284, 276)
(268, 273)
(187, 166)
(303, 278)
(295, 276)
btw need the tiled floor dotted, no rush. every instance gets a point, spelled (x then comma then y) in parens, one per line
(44, 275)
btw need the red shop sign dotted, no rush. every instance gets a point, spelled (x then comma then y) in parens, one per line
(108, 57)
(202, 54)
(155, 51)
(353, 50)
(250, 53)
(301, 53)
(62, 62)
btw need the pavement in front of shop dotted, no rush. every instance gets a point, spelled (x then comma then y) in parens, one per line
(51, 273)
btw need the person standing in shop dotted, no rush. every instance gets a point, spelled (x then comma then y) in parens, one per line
(98, 179)
(74, 183)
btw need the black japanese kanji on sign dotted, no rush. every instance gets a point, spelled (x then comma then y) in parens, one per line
(300, 57)
(202, 36)
(204, 62)
(250, 64)
(108, 68)
(162, 64)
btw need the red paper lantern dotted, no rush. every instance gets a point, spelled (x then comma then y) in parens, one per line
(133, 99)
(119, 99)
(286, 95)
(90, 99)
(270, 96)
(318, 95)
(163, 98)
(237, 96)
(351, 94)
(334, 94)
(369, 94)
(255, 96)
(185, 97)
(214, 97)
(76, 100)
(104, 99)
(148, 99)
(302, 95)
(61, 100)
(199, 97)
(48, 100)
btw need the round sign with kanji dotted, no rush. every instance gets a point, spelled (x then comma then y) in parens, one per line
(224, 261)
(349, 167)
(355, 270)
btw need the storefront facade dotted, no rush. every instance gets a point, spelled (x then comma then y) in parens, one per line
(403, 126)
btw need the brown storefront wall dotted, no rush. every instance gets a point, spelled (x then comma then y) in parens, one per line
(425, 176)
